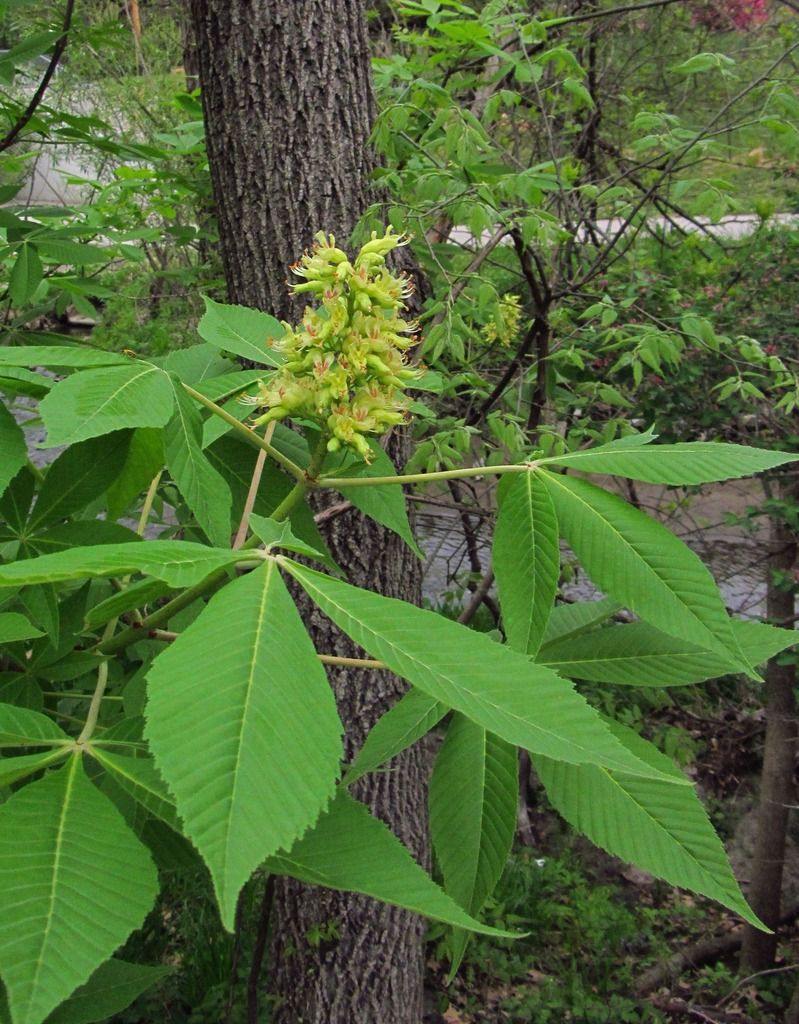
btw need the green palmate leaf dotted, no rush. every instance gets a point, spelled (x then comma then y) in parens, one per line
(691, 462)
(243, 331)
(637, 654)
(574, 618)
(473, 801)
(637, 561)
(84, 884)
(58, 356)
(279, 535)
(352, 851)
(13, 450)
(385, 504)
(109, 991)
(145, 459)
(661, 828)
(12, 769)
(79, 475)
(83, 532)
(26, 274)
(139, 778)
(525, 704)
(244, 729)
(136, 595)
(204, 490)
(177, 562)
(526, 560)
(100, 401)
(14, 627)
(412, 717)
(20, 727)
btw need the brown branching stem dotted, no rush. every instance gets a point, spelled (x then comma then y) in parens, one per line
(13, 134)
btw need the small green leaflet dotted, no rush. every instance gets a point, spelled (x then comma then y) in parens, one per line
(412, 717)
(139, 778)
(12, 769)
(244, 332)
(279, 535)
(14, 627)
(109, 991)
(13, 450)
(79, 475)
(688, 463)
(198, 365)
(474, 793)
(503, 691)
(59, 355)
(26, 275)
(179, 563)
(145, 458)
(85, 883)
(100, 401)
(526, 559)
(572, 618)
(661, 828)
(21, 727)
(243, 725)
(637, 654)
(82, 532)
(203, 489)
(135, 595)
(639, 562)
(350, 850)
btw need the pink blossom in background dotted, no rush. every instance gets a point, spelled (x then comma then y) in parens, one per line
(723, 15)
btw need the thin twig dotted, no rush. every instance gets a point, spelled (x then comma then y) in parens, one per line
(478, 596)
(58, 51)
(751, 977)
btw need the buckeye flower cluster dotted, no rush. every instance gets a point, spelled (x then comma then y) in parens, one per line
(346, 365)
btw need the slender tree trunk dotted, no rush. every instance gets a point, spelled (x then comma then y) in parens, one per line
(288, 104)
(776, 783)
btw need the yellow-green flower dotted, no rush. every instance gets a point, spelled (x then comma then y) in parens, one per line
(346, 366)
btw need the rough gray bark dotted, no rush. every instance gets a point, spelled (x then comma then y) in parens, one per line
(288, 105)
(779, 755)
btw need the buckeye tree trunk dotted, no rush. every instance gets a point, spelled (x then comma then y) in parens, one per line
(779, 755)
(288, 106)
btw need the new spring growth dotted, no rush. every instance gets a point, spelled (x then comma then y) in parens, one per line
(346, 366)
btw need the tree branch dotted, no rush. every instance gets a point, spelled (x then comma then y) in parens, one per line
(58, 50)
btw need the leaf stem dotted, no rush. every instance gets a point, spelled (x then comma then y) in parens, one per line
(282, 460)
(99, 690)
(148, 503)
(423, 478)
(331, 659)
